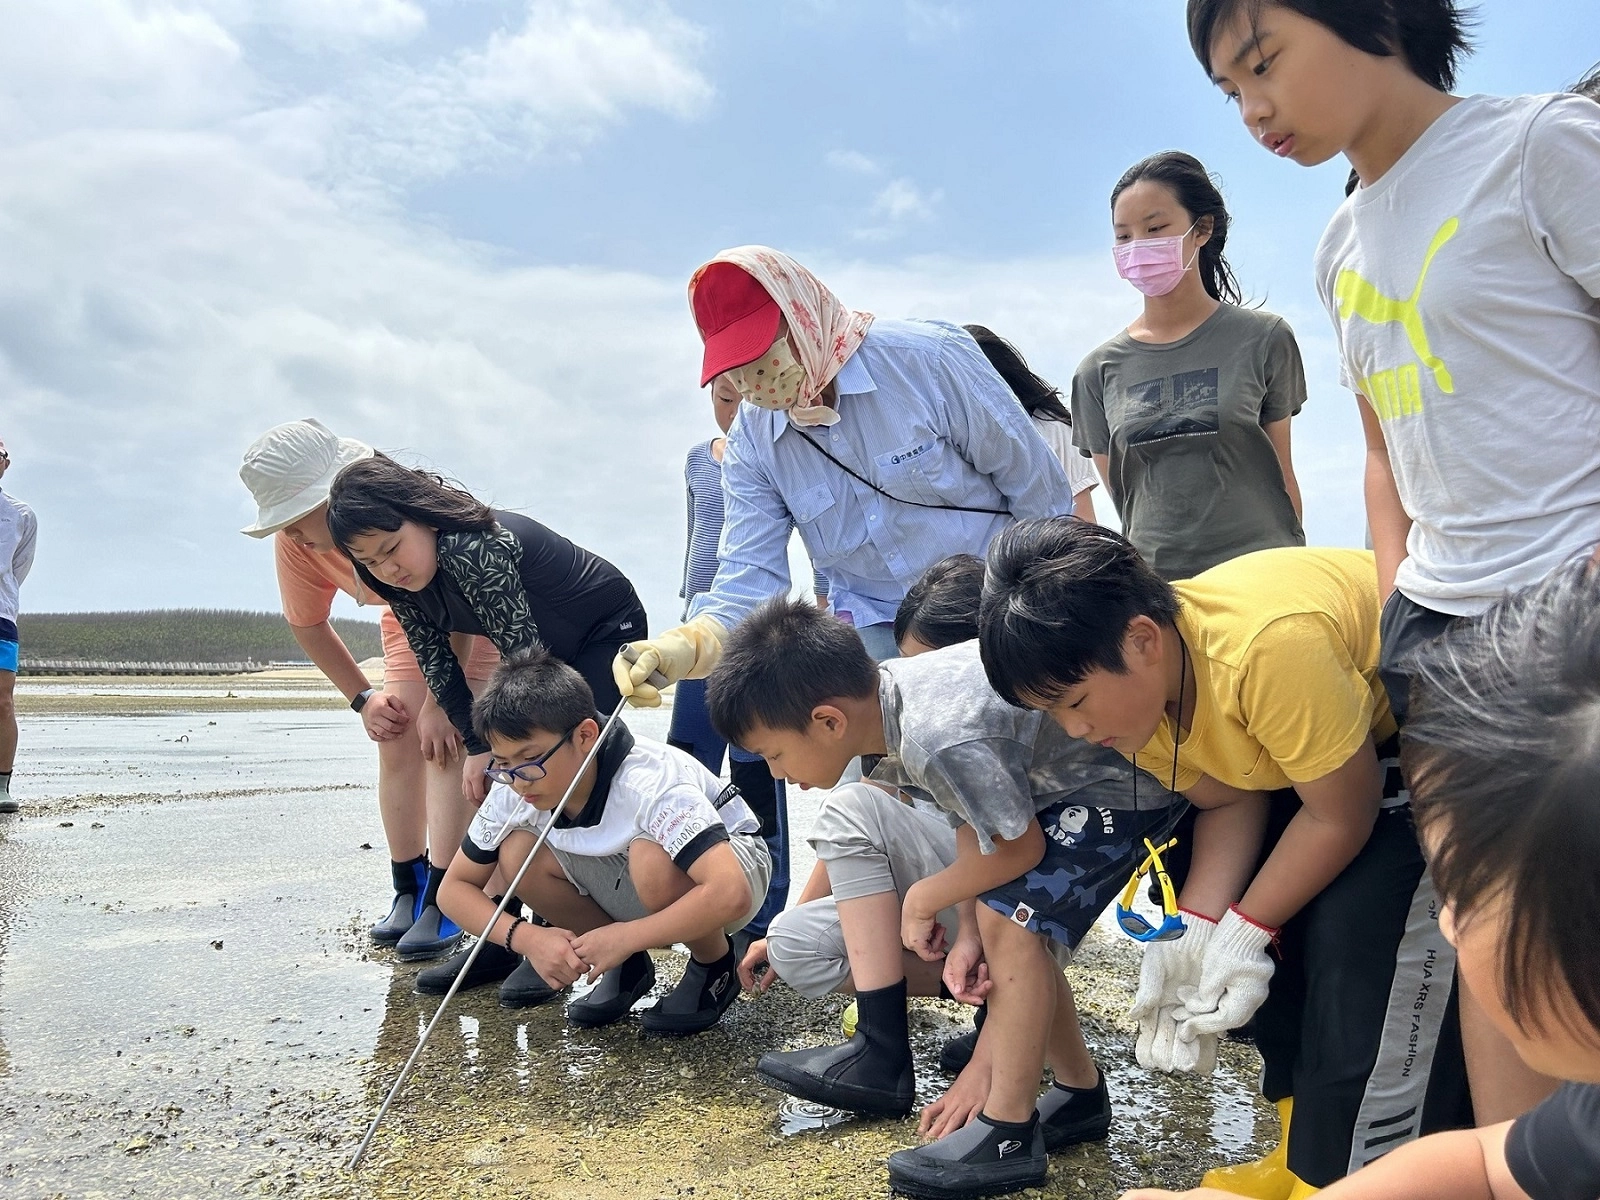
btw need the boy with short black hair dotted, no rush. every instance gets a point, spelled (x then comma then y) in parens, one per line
(1047, 829)
(649, 850)
(1258, 675)
(1503, 756)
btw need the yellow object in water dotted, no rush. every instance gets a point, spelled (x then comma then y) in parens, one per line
(1267, 1178)
(1301, 1189)
(847, 1019)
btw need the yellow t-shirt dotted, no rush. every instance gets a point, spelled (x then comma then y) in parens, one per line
(1284, 649)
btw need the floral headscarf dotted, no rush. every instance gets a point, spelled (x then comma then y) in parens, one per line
(825, 332)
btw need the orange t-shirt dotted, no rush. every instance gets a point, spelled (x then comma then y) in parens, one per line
(308, 579)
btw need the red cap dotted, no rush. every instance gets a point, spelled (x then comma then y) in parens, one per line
(736, 317)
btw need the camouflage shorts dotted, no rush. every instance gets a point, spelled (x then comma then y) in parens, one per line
(1089, 854)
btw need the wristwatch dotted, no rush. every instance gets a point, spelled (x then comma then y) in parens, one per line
(361, 698)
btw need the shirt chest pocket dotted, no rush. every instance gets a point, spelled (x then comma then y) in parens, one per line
(927, 470)
(827, 535)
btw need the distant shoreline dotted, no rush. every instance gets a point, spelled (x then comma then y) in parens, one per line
(274, 690)
(278, 689)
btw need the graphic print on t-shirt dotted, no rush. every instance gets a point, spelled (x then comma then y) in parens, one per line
(1180, 405)
(1397, 391)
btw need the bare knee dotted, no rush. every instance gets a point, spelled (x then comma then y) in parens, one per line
(1004, 941)
(401, 755)
(544, 879)
(658, 880)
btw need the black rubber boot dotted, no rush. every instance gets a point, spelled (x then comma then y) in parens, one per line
(955, 1054)
(703, 994)
(1072, 1115)
(526, 988)
(432, 934)
(493, 964)
(410, 881)
(871, 1073)
(984, 1158)
(618, 991)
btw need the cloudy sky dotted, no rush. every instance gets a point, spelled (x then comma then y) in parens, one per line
(461, 229)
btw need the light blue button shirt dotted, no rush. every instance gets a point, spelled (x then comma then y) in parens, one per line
(922, 415)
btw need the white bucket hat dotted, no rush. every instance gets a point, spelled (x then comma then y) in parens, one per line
(289, 470)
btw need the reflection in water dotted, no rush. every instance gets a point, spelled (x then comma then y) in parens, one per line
(1233, 1116)
(802, 1116)
(223, 1026)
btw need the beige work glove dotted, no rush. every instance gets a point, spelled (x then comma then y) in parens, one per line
(690, 651)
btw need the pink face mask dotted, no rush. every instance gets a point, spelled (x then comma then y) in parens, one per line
(1154, 265)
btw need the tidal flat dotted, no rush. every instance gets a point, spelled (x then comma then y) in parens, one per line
(189, 1005)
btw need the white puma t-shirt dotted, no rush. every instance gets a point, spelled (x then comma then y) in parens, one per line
(1462, 286)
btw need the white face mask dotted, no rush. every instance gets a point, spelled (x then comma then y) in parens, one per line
(775, 380)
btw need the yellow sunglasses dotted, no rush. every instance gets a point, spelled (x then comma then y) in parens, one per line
(1134, 925)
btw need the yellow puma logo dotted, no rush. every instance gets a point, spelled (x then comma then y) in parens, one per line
(1359, 298)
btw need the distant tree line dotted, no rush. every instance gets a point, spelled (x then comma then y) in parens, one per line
(178, 635)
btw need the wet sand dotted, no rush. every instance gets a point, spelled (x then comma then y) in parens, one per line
(189, 1005)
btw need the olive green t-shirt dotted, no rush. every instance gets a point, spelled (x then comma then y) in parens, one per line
(1193, 474)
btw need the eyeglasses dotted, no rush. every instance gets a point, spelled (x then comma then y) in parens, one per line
(1134, 925)
(531, 771)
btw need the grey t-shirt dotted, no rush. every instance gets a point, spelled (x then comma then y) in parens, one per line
(952, 740)
(1193, 475)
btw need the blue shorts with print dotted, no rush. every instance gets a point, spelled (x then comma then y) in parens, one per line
(8, 646)
(1089, 854)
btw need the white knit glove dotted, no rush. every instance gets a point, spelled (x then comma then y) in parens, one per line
(1233, 980)
(1166, 967)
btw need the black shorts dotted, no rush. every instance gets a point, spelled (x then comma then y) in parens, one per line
(1088, 855)
(1360, 1023)
(593, 660)
(1404, 628)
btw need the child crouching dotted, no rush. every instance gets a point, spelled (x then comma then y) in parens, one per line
(1047, 829)
(649, 850)
(1502, 751)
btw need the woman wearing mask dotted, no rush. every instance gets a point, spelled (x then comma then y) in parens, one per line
(889, 444)
(1187, 410)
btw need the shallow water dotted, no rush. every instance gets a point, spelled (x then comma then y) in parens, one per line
(189, 1007)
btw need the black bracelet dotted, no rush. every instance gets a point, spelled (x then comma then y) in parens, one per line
(512, 932)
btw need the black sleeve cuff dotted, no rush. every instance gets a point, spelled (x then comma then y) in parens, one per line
(698, 845)
(484, 858)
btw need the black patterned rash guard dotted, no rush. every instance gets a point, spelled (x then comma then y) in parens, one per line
(518, 584)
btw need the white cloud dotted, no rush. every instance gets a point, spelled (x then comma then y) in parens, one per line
(927, 21)
(180, 276)
(897, 205)
(902, 200)
(571, 70)
(169, 296)
(324, 24)
(852, 161)
(108, 63)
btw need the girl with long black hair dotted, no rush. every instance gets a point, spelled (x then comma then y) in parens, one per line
(1187, 410)
(446, 563)
(1041, 400)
